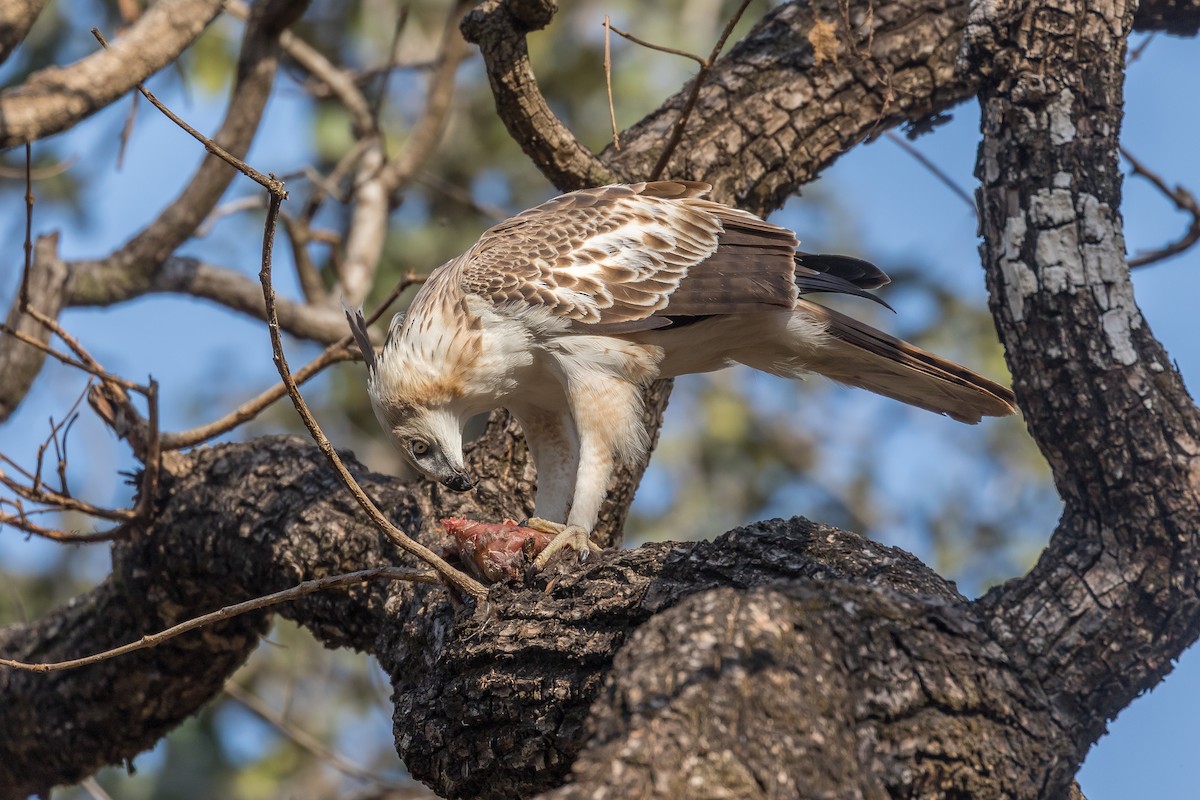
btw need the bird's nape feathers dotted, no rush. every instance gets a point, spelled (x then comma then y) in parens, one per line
(358, 327)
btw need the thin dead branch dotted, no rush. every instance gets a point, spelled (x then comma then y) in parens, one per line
(270, 183)
(392, 62)
(334, 354)
(21, 522)
(612, 111)
(660, 48)
(462, 195)
(228, 612)
(934, 169)
(20, 336)
(39, 173)
(49, 497)
(307, 741)
(28, 245)
(1183, 199)
(690, 103)
(449, 574)
(340, 82)
(427, 132)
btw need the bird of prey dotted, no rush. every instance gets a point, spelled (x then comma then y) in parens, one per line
(563, 313)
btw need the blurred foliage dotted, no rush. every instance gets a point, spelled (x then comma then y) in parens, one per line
(737, 446)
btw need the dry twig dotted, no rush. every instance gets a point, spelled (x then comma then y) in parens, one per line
(228, 612)
(336, 353)
(307, 741)
(612, 112)
(690, 103)
(270, 183)
(937, 171)
(452, 576)
(1183, 199)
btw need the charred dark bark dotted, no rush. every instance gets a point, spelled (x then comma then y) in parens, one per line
(836, 633)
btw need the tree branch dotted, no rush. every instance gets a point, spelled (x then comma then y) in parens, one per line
(134, 269)
(500, 31)
(1112, 601)
(56, 98)
(16, 18)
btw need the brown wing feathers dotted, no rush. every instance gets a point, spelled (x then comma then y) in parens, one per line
(751, 270)
(618, 259)
(862, 356)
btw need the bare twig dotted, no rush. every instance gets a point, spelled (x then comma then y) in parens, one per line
(247, 203)
(94, 789)
(66, 359)
(937, 171)
(59, 451)
(50, 497)
(690, 103)
(1137, 52)
(1183, 199)
(229, 612)
(306, 740)
(427, 131)
(28, 226)
(20, 520)
(334, 354)
(392, 61)
(461, 195)
(151, 455)
(340, 82)
(612, 111)
(452, 576)
(328, 185)
(660, 48)
(270, 183)
(127, 131)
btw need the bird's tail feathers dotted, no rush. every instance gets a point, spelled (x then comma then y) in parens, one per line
(859, 355)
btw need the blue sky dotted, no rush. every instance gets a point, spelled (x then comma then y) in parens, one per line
(205, 357)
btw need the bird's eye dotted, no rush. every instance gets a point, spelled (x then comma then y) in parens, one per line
(419, 448)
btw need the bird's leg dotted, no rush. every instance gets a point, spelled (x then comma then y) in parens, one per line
(558, 529)
(572, 536)
(555, 450)
(544, 525)
(595, 466)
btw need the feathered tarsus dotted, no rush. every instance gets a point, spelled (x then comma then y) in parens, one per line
(562, 313)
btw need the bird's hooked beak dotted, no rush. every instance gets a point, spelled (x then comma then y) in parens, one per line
(460, 482)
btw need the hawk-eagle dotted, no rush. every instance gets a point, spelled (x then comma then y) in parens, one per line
(564, 312)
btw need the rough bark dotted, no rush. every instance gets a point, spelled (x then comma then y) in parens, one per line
(495, 702)
(1113, 599)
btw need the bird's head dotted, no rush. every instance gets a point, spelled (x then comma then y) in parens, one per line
(421, 413)
(429, 438)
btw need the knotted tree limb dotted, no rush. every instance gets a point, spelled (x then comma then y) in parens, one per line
(771, 114)
(245, 519)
